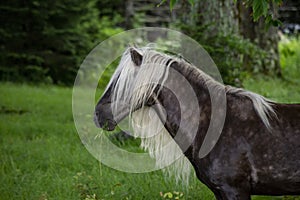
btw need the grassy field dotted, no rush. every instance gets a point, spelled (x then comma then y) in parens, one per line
(43, 158)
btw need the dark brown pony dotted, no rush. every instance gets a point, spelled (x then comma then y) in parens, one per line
(258, 149)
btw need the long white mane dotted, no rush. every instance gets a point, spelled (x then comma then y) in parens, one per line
(137, 83)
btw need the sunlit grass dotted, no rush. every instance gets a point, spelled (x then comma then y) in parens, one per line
(275, 89)
(42, 156)
(287, 88)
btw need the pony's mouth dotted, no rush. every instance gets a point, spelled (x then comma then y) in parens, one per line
(108, 125)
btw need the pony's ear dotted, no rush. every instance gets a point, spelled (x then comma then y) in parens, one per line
(136, 57)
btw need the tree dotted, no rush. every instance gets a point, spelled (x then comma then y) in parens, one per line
(46, 38)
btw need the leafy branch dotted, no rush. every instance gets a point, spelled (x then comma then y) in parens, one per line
(260, 8)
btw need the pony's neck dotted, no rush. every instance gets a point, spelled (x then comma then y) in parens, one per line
(177, 114)
(199, 81)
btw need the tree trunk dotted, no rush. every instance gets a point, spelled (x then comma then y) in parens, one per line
(129, 12)
(221, 15)
(258, 33)
(227, 18)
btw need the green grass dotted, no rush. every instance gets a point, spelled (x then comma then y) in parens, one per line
(287, 89)
(42, 157)
(275, 89)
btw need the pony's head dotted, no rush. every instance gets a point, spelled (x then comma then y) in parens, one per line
(135, 84)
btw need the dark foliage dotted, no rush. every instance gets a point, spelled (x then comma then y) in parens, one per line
(47, 40)
(228, 52)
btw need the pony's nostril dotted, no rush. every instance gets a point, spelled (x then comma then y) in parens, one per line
(97, 114)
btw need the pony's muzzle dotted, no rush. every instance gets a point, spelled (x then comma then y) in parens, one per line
(106, 124)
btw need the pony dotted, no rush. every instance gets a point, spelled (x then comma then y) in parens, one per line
(257, 151)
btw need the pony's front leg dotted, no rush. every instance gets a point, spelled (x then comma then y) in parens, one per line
(232, 194)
